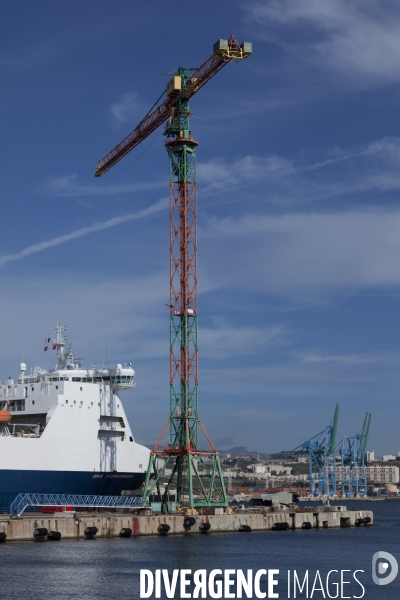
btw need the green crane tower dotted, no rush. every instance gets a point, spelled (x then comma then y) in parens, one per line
(183, 464)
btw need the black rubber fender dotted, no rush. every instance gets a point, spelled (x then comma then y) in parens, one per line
(367, 520)
(281, 526)
(189, 522)
(204, 527)
(359, 522)
(306, 525)
(125, 532)
(245, 528)
(90, 531)
(54, 536)
(3, 537)
(163, 529)
(40, 532)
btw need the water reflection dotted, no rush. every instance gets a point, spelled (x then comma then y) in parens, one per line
(108, 568)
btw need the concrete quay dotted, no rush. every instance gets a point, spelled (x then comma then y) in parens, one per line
(80, 525)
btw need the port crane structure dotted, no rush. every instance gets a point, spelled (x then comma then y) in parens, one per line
(320, 450)
(182, 457)
(351, 450)
(335, 467)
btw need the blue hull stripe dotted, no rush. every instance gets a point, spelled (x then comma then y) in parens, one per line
(15, 482)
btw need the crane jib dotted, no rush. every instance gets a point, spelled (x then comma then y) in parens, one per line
(200, 77)
(143, 130)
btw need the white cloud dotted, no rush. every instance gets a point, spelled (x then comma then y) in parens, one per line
(124, 310)
(219, 174)
(358, 39)
(350, 360)
(128, 109)
(314, 252)
(290, 181)
(62, 239)
(223, 341)
(374, 166)
(352, 249)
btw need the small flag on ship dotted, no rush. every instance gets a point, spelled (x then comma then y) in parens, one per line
(45, 348)
(54, 347)
(47, 340)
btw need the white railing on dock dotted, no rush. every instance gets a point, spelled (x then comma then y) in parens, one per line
(22, 501)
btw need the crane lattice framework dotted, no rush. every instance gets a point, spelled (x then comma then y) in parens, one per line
(183, 456)
(332, 467)
(320, 451)
(353, 479)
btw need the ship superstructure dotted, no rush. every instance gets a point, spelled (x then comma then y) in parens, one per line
(67, 430)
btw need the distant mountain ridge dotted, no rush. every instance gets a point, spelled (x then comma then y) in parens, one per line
(234, 452)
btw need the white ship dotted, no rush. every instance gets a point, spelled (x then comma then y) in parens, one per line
(65, 431)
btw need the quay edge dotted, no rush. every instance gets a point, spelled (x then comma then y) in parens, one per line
(73, 525)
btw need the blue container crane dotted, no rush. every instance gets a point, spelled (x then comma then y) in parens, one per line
(352, 466)
(320, 450)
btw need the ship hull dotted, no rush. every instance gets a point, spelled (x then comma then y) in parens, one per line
(14, 482)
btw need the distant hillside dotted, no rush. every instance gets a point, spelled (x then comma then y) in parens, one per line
(233, 451)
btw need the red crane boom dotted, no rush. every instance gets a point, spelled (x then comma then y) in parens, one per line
(150, 123)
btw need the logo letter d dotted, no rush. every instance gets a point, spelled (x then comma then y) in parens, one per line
(382, 567)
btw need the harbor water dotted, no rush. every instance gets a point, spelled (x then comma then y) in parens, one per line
(110, 568)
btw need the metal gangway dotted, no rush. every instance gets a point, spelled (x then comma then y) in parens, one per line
(23, 501)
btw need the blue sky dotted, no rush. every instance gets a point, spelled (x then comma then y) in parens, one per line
(299, 219)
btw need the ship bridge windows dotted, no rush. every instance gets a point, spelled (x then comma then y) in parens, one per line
(122, 380)
(90, 379)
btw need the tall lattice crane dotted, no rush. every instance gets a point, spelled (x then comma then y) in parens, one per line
(195, 472)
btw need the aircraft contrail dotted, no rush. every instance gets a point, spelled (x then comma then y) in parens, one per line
(62, 239)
